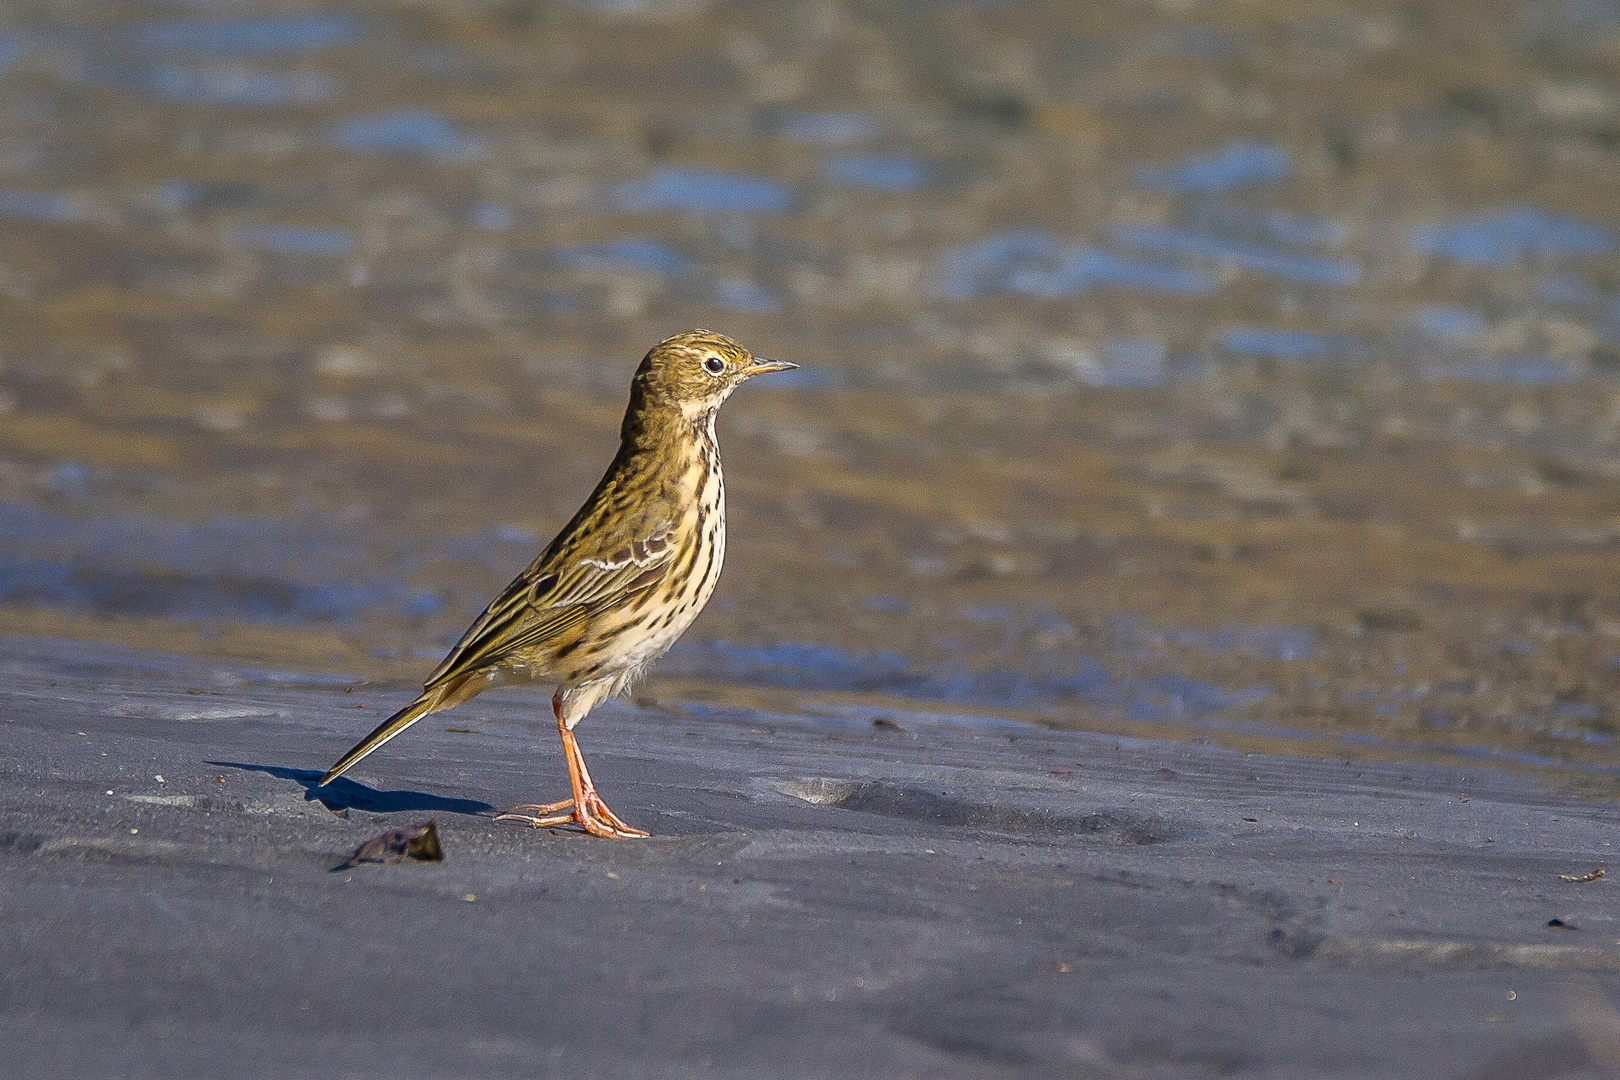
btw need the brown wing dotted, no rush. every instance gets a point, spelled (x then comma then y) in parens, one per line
(541, 605)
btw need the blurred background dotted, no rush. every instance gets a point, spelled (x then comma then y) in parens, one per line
(1241, 370)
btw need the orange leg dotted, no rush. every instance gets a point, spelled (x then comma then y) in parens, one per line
(586, 809)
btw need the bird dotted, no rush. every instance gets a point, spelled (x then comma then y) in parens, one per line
(622, 580)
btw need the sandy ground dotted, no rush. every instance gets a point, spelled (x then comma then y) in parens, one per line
(823, 897)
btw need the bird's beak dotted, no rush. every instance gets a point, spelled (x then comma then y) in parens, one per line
(762, 367)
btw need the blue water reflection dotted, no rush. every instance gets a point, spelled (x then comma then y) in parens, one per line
(13, 47)
(1520, 370)
(491, 217)
(1127, 362)
(129, 565)
(1567, 289)
(695, 191)
(1291, 344)
(1263, 642)
(1266, 642)
(1507, 236)
(745, 296)
(242, 37)
(1305, 231)
(219, 85)
(839, 127)
(1309, 269)
(167, 593)
(294, 239)
(415, 131)
(1233, 166)
(876, 173)
(1040, 265)
(629, 253)
(1456, 324)
(42, 206)
(1156, 698)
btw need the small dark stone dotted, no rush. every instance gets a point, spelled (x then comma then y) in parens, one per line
(420, 842)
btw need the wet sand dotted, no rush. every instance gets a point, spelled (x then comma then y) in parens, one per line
(935, 896)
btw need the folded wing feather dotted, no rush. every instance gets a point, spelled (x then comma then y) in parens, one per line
(534, 609)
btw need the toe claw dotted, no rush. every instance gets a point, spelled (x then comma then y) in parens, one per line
(610, 821)
(539, 808)
(534, 821)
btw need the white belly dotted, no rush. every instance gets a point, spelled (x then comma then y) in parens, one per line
(659, 641)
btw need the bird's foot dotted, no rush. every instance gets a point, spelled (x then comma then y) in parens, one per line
(590, 814)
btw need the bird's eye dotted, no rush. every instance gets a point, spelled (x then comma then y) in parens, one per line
(715, 365)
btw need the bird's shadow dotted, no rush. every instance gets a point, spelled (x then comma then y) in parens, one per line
(344, 794)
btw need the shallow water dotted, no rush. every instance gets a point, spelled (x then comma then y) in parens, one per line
(1233, 372)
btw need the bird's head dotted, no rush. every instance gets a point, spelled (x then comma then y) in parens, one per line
(695, 372)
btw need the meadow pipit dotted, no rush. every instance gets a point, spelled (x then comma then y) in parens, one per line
(624, 578)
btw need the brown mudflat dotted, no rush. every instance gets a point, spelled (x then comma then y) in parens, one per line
(1245, 373)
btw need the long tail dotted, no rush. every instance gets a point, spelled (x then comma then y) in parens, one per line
(442, 696)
